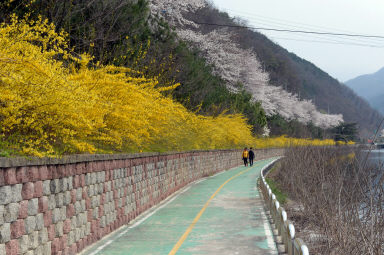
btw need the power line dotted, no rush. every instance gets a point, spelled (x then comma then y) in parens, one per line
(283, 21)
(292, 31)
(284, 24)
(328, 42)
(336, 39)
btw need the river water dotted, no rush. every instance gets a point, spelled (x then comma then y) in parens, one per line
(376, 157)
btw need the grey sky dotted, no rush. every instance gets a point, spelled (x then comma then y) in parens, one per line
(340, 60)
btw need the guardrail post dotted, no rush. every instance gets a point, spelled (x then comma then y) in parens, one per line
(273, 208)
(291, 236)
(299, 248)
(282, 219)
(270, 200)
(292, 245)
(304, 250)
(276, 212)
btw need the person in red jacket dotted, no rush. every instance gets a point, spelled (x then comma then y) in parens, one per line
(245, 156)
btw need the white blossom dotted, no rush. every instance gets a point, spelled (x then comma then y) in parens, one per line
(172, 10)
(266, 131)
(235, 64)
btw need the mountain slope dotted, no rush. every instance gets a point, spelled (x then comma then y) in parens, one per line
(377, 102)
(285, 84)
(238, 64)
(122, 33)
(220, 69)
(370, 87)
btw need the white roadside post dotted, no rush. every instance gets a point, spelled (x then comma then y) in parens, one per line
(282, 231)
(276, 213)
(293, 246)
(291, 235)
(304, 250)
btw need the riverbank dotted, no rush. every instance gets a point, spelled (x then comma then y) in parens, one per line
(330, 199)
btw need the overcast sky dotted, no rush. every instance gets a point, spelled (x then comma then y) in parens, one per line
(339, 58)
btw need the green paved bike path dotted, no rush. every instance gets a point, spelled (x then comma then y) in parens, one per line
(233, 223)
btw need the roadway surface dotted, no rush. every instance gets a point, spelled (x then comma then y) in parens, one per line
(222, 214)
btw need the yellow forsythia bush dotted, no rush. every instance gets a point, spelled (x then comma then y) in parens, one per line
(52, 102)
(50, 107)
(284, 141)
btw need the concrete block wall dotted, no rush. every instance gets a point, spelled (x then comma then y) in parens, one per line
(60, 206)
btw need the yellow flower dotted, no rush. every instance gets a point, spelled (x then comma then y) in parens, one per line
(49, 108)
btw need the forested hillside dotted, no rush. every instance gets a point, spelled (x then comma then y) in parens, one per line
(122, 32)
(298, 85)
(216, 74)
(102, 77)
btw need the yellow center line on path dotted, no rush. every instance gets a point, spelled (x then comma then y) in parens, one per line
(189, 229)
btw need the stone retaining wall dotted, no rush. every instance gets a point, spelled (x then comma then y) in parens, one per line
(60, 206)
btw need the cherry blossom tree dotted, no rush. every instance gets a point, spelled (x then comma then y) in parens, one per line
(172, 10)
(237, 65)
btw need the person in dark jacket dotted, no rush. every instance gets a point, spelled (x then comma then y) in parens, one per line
(251, 156)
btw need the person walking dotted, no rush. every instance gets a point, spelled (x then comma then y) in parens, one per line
(251, 156)
(245, 156)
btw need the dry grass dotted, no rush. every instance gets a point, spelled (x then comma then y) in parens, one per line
(336, 199)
